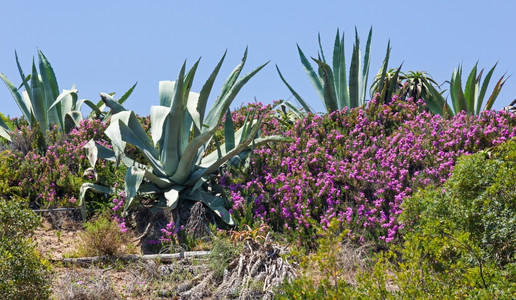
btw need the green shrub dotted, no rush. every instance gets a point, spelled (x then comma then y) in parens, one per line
(8, 176)
(477, 206)
(102, 236)
(330, 271)
(462, 237)
(23, 272)
(458, 239)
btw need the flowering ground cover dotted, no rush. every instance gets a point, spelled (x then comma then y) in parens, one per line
(49, 174)
(357, 166)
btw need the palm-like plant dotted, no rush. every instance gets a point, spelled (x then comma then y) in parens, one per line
(331, 83)
(404, 85)
(181, 131)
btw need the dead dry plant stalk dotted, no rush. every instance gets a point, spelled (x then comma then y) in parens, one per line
(259, 265)
(197, 224)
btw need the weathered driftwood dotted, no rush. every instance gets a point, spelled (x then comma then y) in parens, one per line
(166, 258)
(38, 211)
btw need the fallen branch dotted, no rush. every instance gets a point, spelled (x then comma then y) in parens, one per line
(38, 211)
(166, 258)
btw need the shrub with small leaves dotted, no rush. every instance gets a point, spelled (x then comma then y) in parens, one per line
(23, 272)
(103, 236)
(327, 272)
(51, 176)
(357, 166)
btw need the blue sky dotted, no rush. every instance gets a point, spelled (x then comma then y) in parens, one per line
(106, 46)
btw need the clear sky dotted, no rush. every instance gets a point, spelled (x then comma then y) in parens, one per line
(108, 45)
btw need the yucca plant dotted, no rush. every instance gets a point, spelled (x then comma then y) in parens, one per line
(181, 131)
(470, 98)
(331, 83)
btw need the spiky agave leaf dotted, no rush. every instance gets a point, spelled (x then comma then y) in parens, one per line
(5, 132)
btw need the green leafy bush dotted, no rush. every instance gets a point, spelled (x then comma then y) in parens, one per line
(329, 271)
(8, 187)
(462, 238)
(102, 236)
(479, 202)
(23, 272)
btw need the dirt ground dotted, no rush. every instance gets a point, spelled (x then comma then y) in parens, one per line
(186, 278)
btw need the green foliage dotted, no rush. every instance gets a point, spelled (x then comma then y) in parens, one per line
(8, 175)
(327, 273)
(469, 98)
(222, 253)
(478, 208)
(102, 236)
(331, 83)
(23, 272)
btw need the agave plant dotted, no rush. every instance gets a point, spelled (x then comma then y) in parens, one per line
(181, 131)
(470, 98)
(41, 101)
(386, 83)
(5, 132)
(332, 85)
(98, 111)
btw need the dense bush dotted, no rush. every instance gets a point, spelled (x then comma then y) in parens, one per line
(458, 241)
(463, 236)
(103, 236)
(478, 200)
(23, 273)
(357, 166)
(49, 171)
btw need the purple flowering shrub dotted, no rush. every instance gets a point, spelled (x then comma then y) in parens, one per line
(357, 166)
(51, 176)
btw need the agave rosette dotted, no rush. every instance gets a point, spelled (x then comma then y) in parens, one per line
(181, 131)
(40, 101)
(331, 83)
